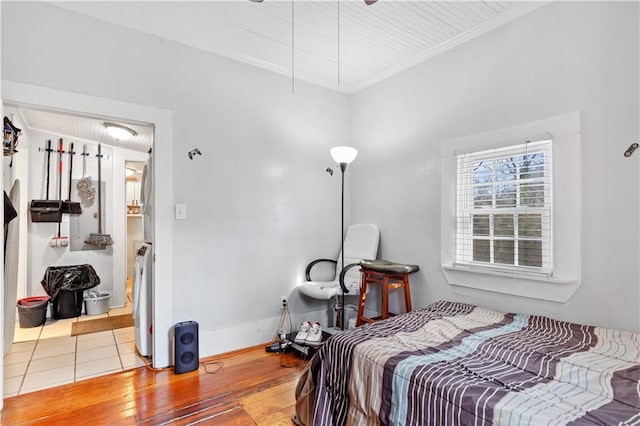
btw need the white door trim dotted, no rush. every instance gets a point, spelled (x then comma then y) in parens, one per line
(42, 97)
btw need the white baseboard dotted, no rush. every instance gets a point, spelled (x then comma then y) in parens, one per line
(219, 341)
(214, 342)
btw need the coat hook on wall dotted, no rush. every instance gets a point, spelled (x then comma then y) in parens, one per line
(193, 153)
(630, 150)
(329, 170)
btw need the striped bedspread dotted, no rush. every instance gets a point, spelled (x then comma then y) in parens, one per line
(458, 364)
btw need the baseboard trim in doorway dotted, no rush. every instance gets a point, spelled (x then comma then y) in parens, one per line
(101, 324)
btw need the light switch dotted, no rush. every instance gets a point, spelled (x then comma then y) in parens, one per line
(181, 211)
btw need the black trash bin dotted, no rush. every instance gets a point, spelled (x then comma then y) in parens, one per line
(67, 304)
(65, 286)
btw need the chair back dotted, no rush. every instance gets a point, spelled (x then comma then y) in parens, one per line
(360, 242)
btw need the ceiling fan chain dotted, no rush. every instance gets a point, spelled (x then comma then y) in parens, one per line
(367, 2)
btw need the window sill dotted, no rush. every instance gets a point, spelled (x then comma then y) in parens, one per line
(553, 289)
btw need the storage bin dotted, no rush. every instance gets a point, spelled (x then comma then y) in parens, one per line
(32, 311)
(96, 303)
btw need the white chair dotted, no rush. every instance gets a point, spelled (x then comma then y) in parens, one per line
(360, 242)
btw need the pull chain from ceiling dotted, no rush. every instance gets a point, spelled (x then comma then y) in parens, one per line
(338, 43)
(293, 72)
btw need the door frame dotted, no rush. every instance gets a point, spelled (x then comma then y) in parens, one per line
(38, 97)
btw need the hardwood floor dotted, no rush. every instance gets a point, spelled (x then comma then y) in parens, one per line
(249, 387)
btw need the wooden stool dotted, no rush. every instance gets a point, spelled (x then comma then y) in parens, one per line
(389, 275)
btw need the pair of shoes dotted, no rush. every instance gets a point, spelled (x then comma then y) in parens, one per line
(302, 335)
(309, 334)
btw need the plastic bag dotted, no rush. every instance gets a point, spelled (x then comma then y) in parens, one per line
(69, 278)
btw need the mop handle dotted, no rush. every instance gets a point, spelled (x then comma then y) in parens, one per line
(48, 165)
(60, 150)
(84, 160)
(99, 188)
(70, 169)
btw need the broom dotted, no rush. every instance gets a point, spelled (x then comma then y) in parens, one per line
(99, 239)
(59, 241)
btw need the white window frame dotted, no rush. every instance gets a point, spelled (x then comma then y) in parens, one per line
(559, 283)
(465, 209)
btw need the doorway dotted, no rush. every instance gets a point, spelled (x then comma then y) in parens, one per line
(161, 119)
(134, 171)
(50, 355)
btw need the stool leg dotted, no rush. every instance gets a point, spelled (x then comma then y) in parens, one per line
(385, 298)
(407, 293)
(363, 298)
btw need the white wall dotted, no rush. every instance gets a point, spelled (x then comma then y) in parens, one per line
(561, 58)
(2, 301)
(19, 171)
(259, 203)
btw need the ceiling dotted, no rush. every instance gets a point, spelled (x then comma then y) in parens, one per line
(80, 128)
(345, 45)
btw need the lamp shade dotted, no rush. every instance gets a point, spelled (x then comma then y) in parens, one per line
(343, 154)
(119, 132)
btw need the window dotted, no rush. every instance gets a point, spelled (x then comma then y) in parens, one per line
(504, 208)
(511, 214)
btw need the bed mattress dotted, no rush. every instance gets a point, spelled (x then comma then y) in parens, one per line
(459, 364)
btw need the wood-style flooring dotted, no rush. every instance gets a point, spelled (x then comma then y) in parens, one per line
(249, 387)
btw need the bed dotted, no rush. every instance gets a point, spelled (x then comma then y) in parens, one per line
(458, 364)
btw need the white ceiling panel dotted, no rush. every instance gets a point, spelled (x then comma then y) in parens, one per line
(80, 128)
(343, 45)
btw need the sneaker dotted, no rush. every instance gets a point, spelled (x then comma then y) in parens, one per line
(278, 347)
(301, 337)
(315, 335)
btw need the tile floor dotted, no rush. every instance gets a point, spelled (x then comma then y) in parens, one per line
(46, 356)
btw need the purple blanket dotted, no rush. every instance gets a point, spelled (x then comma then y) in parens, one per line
(458, 364)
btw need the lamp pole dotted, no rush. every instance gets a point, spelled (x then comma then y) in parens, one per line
(343, 155)
(343, 168)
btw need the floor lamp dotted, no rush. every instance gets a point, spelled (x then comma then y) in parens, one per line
(343, 155)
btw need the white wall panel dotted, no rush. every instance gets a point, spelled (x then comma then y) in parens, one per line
(259, 204)
(544, 64)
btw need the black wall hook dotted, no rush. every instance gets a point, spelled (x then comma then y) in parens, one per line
(193, 153)
(630, 150)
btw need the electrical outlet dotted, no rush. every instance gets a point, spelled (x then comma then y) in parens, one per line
(283, 301)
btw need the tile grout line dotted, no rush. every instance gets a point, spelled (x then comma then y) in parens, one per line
(36, 346)
(75, 357)
(76, 345)
(33, 351)
(115, 341)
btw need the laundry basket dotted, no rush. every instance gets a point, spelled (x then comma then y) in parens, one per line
(96, 302)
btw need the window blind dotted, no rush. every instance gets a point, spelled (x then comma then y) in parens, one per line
(504, 208)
